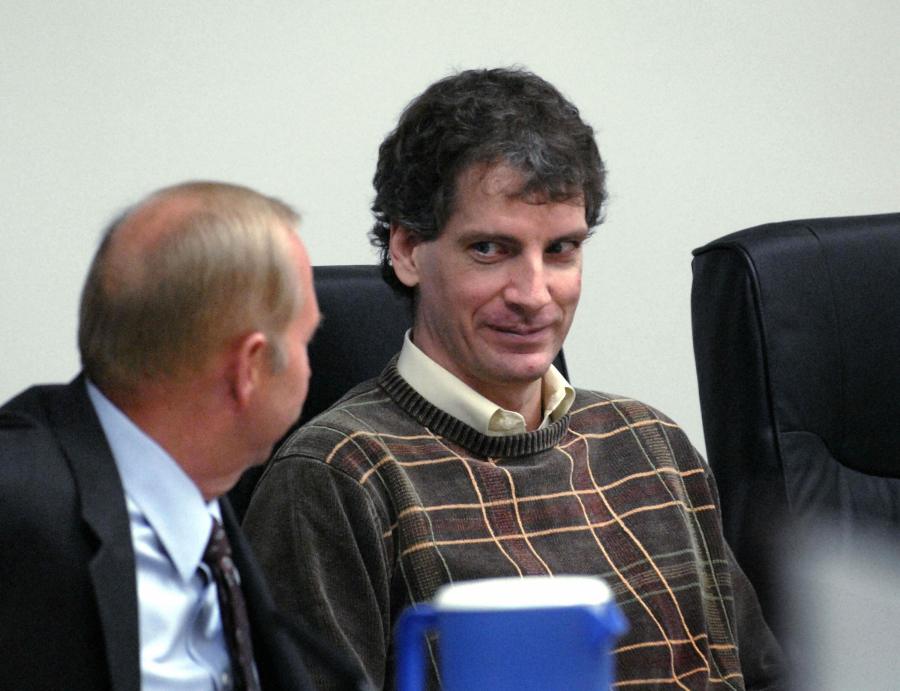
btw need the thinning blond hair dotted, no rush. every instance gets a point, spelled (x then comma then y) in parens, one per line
(164, 303)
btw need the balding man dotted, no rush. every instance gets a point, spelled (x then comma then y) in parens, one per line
(115, 569)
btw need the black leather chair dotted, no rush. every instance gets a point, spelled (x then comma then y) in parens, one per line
(797, 345)
(363, 323)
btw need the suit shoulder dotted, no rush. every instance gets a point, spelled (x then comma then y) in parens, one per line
(24, 420)
(30, 407)
(29, 432)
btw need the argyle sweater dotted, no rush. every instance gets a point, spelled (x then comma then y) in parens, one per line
(383, 498)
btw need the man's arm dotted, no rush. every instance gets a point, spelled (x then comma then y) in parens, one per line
(320, 543)
(762, 660)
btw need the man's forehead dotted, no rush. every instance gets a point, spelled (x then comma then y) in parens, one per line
(492, 179)
(503, 179)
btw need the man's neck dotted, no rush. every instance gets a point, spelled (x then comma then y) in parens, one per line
(174, 420)
(479, 407)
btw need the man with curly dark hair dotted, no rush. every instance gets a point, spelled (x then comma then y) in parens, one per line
(471, 455)
(477, 117)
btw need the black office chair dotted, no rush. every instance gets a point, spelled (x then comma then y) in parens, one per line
(363, 323)
(797, 345)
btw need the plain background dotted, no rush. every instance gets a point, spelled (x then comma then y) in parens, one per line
(711, 115)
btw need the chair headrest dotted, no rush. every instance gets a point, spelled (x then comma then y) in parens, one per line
(827, 295)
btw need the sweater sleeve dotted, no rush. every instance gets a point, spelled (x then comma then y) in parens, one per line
(319, 540)
(762, 660)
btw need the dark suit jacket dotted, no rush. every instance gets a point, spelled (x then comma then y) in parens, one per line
(68, 600)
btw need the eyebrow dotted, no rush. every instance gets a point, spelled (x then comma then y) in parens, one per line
(475, 235)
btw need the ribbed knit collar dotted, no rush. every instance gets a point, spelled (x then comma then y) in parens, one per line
(459, 432)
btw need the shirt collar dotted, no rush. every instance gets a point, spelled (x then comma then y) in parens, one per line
(169, 500)
(447, 392)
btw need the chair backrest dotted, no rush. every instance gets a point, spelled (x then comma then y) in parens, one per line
(363, 324)
(797, 345)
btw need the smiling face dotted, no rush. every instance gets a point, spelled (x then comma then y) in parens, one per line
(498, 288)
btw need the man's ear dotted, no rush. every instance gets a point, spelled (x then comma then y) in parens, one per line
(249, 358)
(403, 242)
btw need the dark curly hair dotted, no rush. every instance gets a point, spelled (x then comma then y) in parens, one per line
(509, 116)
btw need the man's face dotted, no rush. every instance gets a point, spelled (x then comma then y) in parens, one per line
(498, 288)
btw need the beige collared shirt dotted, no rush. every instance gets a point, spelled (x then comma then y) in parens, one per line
(445, 391)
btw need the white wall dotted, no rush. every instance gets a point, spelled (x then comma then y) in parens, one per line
(712, 116)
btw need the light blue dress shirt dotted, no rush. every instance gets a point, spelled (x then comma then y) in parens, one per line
(181, 637)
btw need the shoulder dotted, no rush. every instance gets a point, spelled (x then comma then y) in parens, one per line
(26, 427)
(38, 430)
(356, 422)
(29, 409)
(46, 406)
(599, 408)
(39, 490)
(632, 425)
(38, 414)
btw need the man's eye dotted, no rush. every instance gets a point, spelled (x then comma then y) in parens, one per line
(485, 248)
(564, 247)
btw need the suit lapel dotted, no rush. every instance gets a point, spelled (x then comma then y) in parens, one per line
(104, 511)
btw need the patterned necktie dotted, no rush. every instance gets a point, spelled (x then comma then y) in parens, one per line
(233, 609)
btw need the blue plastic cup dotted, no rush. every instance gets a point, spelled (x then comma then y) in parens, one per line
(538, 632)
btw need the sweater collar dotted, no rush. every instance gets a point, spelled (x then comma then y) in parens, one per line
(445, 425)
(445, 391)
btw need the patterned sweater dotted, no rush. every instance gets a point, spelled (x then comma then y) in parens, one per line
(383, 498)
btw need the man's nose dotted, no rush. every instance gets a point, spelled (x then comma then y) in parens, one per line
(527, 284)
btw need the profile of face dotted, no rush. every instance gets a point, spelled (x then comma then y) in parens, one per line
(282, 389)
(497, 289)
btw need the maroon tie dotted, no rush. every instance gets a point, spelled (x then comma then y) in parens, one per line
(233, 609)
